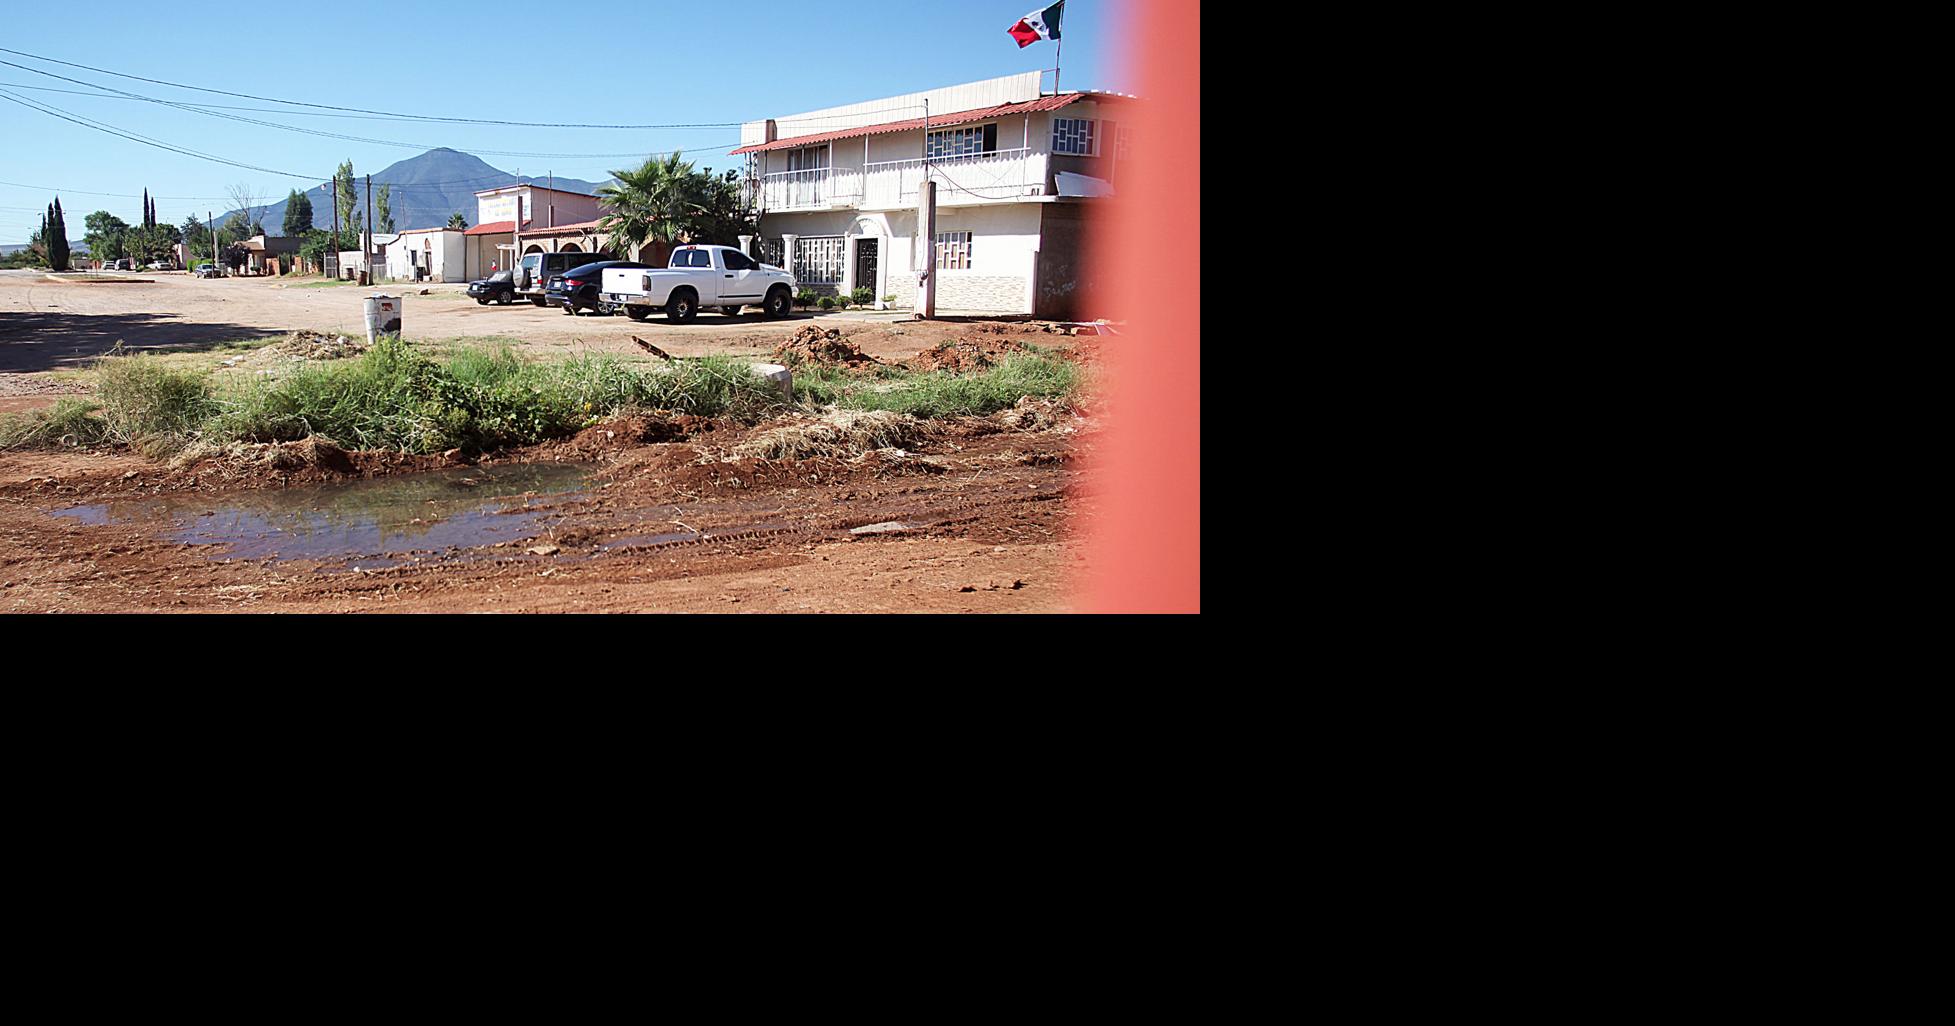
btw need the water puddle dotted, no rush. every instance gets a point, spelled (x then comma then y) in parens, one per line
(368, 524)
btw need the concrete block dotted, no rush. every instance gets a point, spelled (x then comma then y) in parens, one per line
(782, 378)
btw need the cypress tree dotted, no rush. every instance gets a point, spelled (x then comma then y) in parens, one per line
(58, 240)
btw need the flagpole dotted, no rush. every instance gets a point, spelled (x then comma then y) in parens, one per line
(1055, 61)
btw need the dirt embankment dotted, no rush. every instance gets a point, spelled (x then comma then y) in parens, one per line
(677, 514)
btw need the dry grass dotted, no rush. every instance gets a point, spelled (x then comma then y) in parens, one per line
(841, 433)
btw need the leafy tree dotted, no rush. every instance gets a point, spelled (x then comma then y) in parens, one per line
(107, 235)
(655, 201)
(724, 214)
(347, 199)
(298, 213)
(383, 214)
(197, 233)
(456, 220)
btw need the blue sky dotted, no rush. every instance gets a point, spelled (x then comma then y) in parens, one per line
(453, 59)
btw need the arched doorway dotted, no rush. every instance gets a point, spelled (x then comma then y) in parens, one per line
(570, 247)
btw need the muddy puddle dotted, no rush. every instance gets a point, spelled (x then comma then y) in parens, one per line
(365, 524)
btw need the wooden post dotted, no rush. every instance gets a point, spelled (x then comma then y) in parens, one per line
(929, 248)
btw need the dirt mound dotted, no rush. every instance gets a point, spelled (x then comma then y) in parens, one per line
(841, 433)
(1031, 414)
(823, 346)
(961, 356)
(312, 345)
(251, 464)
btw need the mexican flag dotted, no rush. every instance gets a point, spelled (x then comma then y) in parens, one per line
(1038, 25)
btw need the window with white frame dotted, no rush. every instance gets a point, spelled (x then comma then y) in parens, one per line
(954, 251)
(1072, 136)
(962, 142)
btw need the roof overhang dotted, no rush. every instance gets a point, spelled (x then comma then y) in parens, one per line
(1003, 110)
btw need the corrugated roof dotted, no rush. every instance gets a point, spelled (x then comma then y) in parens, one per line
(1043, 103)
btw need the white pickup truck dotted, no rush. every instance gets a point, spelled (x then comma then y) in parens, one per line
(717, 276)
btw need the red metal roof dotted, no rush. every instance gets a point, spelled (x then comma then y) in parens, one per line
(581, 226)
(493, 228)
(1043, 103)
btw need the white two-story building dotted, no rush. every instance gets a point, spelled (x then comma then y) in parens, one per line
(1018, 175)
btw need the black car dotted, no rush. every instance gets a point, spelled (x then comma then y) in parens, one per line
(577, 288)
(499, 287)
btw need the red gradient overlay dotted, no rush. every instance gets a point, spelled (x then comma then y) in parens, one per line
(1144, 551)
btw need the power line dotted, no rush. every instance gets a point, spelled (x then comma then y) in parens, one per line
(118, 94)
(355, 110)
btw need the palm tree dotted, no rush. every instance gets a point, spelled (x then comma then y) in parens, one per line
(658, 201)
(456, 220)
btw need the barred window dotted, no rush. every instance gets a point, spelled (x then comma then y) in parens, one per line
(954, 251)
(1072, 136)
(962, 142)
(818, 261)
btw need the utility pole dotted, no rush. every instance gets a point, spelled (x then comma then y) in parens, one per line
(332, 196)
(930, 248)
(926, 219)
(366, 247)
(211, 221)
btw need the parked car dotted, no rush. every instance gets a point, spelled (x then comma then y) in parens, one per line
(577, 288)
(499, 288)
(534, 271)
(124, 264)
(717, 276)
(207, 270)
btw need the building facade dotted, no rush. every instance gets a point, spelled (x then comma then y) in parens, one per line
(1018, 173)
(428, 254)
(503, 216)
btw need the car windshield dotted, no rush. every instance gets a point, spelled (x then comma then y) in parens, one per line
(503, 276)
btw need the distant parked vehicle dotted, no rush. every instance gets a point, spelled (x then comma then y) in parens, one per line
(208, 271)
(534, 271)
(716, 276)
(577, 288)
(499, 288)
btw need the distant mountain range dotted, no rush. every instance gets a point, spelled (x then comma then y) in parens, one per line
(73, 248)
(427, 191)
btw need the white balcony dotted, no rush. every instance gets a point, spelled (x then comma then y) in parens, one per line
(980, 178)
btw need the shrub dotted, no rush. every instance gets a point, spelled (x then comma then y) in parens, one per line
(68, 422)
(889, 299)
(827, 302)
(806, 297)
(862, 296)
(141, 397)
(941, 393)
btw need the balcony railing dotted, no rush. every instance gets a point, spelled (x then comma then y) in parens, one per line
(977, 178)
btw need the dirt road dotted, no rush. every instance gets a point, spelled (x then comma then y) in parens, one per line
(46, 325)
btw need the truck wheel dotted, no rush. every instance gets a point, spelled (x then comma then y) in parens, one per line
(638, 313)
(606, 310)
(682, 307)
(481, 302)
(778, 303)
(505, 299)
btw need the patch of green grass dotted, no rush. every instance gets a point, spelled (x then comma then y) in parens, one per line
(68, 423)
(941, 393)
(395, 397)
(142, 397)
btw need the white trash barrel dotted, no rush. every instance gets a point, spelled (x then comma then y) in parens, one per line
(383, 316)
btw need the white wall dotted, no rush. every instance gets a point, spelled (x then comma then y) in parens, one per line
(441, 252)
(534, 205)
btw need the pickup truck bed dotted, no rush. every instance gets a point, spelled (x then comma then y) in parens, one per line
(700, 276)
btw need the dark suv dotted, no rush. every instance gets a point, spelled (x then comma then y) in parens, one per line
(577, 288)
(534, 271)
(499, 287)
